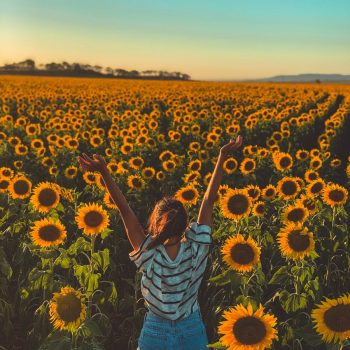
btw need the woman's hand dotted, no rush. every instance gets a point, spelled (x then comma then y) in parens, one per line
(230, 147)
(96, 164)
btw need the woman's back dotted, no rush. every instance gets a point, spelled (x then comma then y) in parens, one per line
(170, 287)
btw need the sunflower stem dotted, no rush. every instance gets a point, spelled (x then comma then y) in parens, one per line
(93, 237)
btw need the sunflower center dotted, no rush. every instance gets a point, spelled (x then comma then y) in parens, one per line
(230, 165)
(310, 205)
(136, 182)
(269, 192)
(249, 330)
(188, 195)
(49, 233)
(260, 208)
(289, 187)
(337, 318)
(317, 187)
(242, 253)
(253, 193)
(21, 187)
(93, 218)
(284, 162)
(4, 184)
(296, 214)
(249, 165)
(47, 197)
(238, 204)
(297, 241)
(68, 307)
(312, 176)
(336, 195)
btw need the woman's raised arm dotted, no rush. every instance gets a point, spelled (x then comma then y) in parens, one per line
(206, 209)
(132, 225)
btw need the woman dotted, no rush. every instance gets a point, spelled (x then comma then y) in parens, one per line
(172, 266)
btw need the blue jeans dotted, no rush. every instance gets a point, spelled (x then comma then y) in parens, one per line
(159, 333)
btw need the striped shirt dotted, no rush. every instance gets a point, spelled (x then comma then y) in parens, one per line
(170, 287)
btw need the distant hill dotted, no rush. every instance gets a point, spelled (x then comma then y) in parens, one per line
(310, 78)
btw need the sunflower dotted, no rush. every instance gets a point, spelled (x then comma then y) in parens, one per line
(295, 213)
(332, 319)
(302, 154)
(259, 208)
(207, 178)
(126, 148)
(283, 161)
(195, 165)
(288, 187)
(311, 175)
(68, 194)
(47, 161)
(236, 204)
(67, 309)
(112, 166)
(244, 329)
(18, 164)
(108, 201)
(53, 170)
(315, 187)
(222, 190)
(90, 177)
(269, 192)
(160, 175)
(169, 165)
(192, 176)
(136, 163)
(148, 173)
(253, 192)
(6, 172)
(334, 195)
(166, 155)
(203, 155)
(230, 165)
(295, 241)
(136, 182)
(315, 163)
(122, 167)
(187, 195)
(71, 172)
(308, 203)
(4, 184)
(92, 218)
(96, 141)
(99, 182)
(48, 232)
(45, 196)
(240, 254)
(19, 187)
(348, 171)
(247, 166)
(335, 163)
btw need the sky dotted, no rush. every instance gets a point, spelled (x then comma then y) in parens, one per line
(207, 39)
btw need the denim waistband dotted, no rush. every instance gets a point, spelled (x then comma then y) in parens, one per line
(153, 317)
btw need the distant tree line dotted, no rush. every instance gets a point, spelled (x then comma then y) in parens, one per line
(78, 69)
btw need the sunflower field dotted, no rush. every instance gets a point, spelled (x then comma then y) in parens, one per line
(278, 274)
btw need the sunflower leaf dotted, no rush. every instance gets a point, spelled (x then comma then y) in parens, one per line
(280, 276)
(91, 328)
(217, 345)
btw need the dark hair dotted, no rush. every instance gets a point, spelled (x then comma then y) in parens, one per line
(168, 219)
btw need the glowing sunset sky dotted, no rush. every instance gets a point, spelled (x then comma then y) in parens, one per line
(210, 40)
